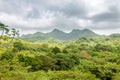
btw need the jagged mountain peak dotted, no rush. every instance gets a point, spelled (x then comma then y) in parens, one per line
(56, 31)
(58, 34)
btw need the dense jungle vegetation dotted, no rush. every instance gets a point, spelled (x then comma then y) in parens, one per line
(81, 59)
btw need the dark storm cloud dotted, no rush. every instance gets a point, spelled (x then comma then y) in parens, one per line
(42, 15)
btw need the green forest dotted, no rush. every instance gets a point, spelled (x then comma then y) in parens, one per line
(92, 58)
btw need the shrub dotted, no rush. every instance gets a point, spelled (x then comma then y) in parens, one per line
(7, 55)
(56, 50)
(18, 46)
(64, 61)
(47, 62)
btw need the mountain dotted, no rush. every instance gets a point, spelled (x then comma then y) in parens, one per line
(76, 33)
(117, 35)
(57, 34)
(60, 35)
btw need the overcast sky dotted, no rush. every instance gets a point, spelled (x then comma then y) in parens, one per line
(29, 16)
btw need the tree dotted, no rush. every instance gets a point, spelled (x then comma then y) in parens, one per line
(64, 61)
(4, 29)
(56, 50)
(14, 33)
(102, 47)
(7, 55)
(47, 62)
(18, 46)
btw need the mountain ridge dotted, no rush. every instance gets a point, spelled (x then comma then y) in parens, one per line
(60, 35)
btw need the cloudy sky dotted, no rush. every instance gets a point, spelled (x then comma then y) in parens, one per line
(29, 16)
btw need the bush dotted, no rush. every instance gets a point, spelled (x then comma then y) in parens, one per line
(7, 55)
(18, 46)
(64, 61)
(36, 64)
(100, 47)
(71, 75)
(56, 50)
(104, 72)
(47, 62)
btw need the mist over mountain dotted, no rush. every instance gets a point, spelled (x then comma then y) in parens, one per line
(60, 35)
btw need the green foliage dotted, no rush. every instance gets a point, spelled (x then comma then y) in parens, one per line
(7, 56)
(82, 59)
(103, 72)
(100, 47)
(47, 62)
(115, 35)
(56, 50)
(65, 62)
(38, 63)
(4, 29)
(44, 47)
(72, 75)
(18, 46)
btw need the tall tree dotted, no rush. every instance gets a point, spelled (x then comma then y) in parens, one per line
(4, 29)
(14, 33)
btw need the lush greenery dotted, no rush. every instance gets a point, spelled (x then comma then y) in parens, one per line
(81, 59)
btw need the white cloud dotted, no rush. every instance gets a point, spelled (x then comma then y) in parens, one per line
(85, 23)
(15, 20)
(107, 32)
(42, 15)
(96, 7)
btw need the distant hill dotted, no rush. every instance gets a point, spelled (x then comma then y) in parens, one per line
(117, 35)
(60, 35)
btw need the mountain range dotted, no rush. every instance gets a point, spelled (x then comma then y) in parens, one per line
(60, 35)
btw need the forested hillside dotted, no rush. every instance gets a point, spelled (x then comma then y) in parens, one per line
(80, 59)
(117, 35)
